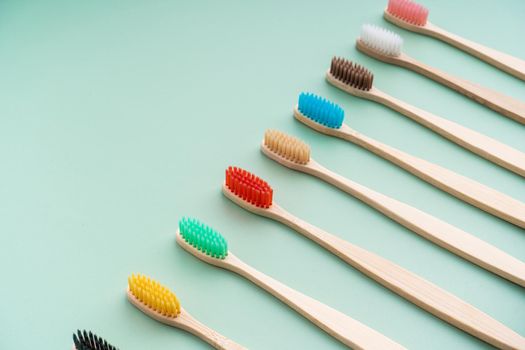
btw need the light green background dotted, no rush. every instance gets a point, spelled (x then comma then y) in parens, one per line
(119, 117)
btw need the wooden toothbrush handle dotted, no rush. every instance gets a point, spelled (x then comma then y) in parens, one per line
(435, 230)
(503, 61)
(413, 288)
(506, 105)
(342, 327)
(470, 191)
(486, 147)
(185, 321)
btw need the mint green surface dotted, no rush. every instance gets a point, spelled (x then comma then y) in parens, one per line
(120, 117)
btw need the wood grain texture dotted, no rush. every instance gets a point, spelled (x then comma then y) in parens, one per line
(468, 190)
(429, 227)
(505, 105)
(186, 322)
(503, 61)
(340, 326)
(403, 282)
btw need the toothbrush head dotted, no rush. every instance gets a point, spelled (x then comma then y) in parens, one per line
(203, 238)
(84, 340)
(408, 11)
(152, 298)
(285, 148)
(319, 110)
(350, 75)
(382, 41)
(248, 187)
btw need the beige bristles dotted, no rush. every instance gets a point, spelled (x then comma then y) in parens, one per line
(287, 146)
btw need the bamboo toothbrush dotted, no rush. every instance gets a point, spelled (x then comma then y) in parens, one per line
(345, 75)
(210, 246)
(385, 46)
(295, 154)
(255, 195)
(327, 118)
(413, 16)
(161, 304)
(89, 341)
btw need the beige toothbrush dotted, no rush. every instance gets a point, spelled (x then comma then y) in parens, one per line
(161, 304)
(385, 46)
(295, 154)
(211, 247)
(255, 195)
(356, 80)
(412, 16)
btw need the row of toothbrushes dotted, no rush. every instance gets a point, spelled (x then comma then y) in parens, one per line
(256, 195)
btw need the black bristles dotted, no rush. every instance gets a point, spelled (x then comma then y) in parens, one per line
(89, 341)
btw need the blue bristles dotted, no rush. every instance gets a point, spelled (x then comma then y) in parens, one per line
(321, 110)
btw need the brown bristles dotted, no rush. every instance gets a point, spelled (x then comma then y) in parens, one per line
(351, 74)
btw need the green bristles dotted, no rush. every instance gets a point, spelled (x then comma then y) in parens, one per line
(203, 238)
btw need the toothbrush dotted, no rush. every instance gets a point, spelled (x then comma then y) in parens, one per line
(89, 341)
(295, 154)
(356, 80)
(344, 75)
(161, 304)
(385, 46)
(255, 195)
(210, 246)
(413, 16)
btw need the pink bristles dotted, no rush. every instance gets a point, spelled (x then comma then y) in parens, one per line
(408, 11)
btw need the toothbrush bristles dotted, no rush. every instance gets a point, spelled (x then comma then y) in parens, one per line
(84, 340)
(351, 74)
(154, 295)
(203, 238)
(249, 187)
(320, 110)
(408, 11)
(382, 40)
(287, 146)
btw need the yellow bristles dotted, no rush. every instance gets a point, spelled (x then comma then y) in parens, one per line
(154, 295)
(287, 146)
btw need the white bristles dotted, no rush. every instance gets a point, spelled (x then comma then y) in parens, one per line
(382, 40)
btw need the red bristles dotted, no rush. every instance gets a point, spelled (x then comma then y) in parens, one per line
(249, 187)
(408, 11)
